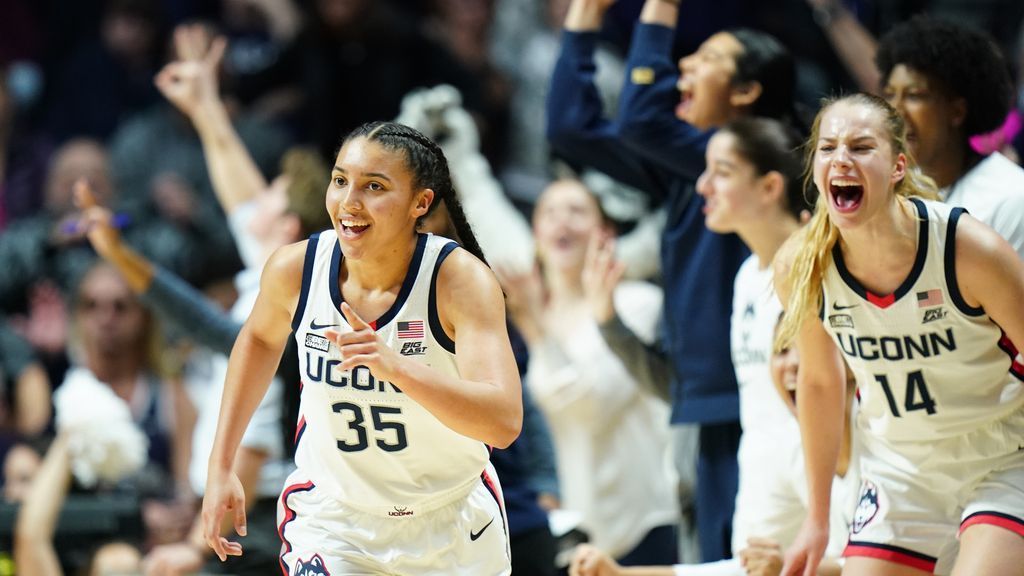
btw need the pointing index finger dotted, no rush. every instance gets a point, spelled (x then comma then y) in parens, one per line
(354, 320)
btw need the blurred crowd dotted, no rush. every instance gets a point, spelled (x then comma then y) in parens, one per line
(154, 152)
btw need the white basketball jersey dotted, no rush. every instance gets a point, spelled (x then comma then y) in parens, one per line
(928, 366)
(755, 312)
(361, 438)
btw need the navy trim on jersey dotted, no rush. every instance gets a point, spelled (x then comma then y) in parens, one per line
(949, 262)
(1006, 345)
(403, 293)
(911, 279)
(307, 275)
(432, 317)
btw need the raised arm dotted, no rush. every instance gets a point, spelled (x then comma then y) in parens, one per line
(576, 125)
(37, 519)
(821, 411)
(190, 83)
(647, 365)
(647, 121)
(854, 45)
(253, 361)
(173, 298)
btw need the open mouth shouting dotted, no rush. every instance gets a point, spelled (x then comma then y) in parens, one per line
(685, 100)
(845, 194)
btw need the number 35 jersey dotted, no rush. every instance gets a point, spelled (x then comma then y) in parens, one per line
(928, 365)
(361, 438)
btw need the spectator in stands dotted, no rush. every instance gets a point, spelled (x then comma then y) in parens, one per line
(34, 549)
(107, 79)
(949, 83)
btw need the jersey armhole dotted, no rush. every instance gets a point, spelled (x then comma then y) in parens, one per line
(436, 328)
(949, 264)
(307, 276)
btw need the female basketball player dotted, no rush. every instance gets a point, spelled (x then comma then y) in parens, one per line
(392, 443)
(923, 302)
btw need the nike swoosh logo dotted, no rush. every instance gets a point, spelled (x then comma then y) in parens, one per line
(474, 535)
(314, 326)
(838, 307)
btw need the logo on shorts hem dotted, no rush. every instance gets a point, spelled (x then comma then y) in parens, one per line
(315, 567)
(474, 535)
(400, 511)
(867, 507)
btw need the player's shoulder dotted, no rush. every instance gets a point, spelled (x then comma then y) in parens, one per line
(284, 268)
(464, 279)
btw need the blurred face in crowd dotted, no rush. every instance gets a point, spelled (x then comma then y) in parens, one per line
(110, 318)
(734, 193)
(20, 468)
(339, 13)
(470, 14)
(128, 35)
(706, 82)
(116, 558)
(77, 159)
(566, 217)
(933, 116)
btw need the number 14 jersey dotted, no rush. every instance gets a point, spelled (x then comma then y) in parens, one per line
(928, 365)
(359, 438)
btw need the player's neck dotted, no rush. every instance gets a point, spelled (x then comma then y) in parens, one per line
(380, 272)
(765, 236)
(883, 247)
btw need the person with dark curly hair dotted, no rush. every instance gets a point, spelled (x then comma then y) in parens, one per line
(949, 83)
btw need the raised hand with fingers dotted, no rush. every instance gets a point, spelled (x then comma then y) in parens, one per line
(362, 347)
(223, 493)
(601, 274)
(96, 221)
(190, 82)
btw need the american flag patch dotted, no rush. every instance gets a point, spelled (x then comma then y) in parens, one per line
(411, 329)
(929, 298)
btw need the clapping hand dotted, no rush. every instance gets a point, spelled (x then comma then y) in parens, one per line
(601, 274)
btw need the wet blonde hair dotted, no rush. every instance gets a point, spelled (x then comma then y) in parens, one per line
(813, 253)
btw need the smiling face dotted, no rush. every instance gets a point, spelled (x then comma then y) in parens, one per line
(565, 219)
(730, 186)
(933, 117)
(854, 165)
(371, 198)
(706, 82)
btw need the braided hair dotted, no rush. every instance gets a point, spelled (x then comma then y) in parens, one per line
(429, 166)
